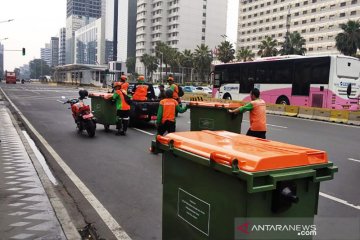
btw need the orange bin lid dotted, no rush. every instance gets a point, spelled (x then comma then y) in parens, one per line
(216, 104)
(253, 154)
(101, 95)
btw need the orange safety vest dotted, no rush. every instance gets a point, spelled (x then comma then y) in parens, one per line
(141, 93)
(124, 86)
(124, 104)
(169, 108)
(258, 115)
(176, 91)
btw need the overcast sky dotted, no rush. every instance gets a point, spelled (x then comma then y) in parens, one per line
(36, 21)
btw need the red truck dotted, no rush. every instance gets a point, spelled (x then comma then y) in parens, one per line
(10, 77)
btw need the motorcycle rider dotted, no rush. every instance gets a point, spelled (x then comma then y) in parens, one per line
(75, 108)
(122, 102)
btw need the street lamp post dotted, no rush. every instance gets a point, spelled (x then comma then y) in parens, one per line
(162, 61)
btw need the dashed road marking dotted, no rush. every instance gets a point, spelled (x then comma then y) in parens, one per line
(339, 200)
(148, 133)
(355, 160)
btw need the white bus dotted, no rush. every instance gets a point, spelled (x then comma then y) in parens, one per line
(313, 81)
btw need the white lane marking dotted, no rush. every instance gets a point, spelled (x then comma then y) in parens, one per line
(148, 133)
(40, 158)
(104, 214)
(339, 200)
(305, 119)
(352, 159)
(272, 125)
(59, 101)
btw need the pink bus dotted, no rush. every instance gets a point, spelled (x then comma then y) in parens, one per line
(313, 81)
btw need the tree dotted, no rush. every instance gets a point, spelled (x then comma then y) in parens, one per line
(150, 63)
(348, 41)
(245, 55)
(130, 64)
(268, 47)
(187, 61)
(165, 50)
(38, 67)
(202, 59)
(294, 44)
(225, 52)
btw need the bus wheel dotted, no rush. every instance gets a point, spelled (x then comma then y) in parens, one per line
(227, 96)
(283, 100)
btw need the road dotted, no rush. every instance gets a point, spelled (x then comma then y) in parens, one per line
(126, 179)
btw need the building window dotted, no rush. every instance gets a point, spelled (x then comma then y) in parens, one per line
(306, 2)
(329, 47)
(303, 21)
(297, 4)
(304, 12)
(296, 14)
(313, 10)
(296, 23)
(342, 4)
(319, 48)
(354, 1)
(331, 16)
(312, 29)
(322, 18)
(274, 19)
(330, 37)
(311, 39)
(311, 49)
(353, 13)
(320, 38)
(331, 26)
(312, 20)
(303, 31)
(342, 14)
(314, 1)
(280, 35)
(254, 31)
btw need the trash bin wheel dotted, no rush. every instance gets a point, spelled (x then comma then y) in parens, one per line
(107, 127)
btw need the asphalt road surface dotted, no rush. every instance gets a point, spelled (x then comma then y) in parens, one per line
(126, 179)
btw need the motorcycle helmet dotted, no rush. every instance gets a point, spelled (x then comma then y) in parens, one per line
(83, 94)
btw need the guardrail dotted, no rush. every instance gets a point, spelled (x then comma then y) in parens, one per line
(322, 114)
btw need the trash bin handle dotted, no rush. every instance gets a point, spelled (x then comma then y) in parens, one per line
(222, 158)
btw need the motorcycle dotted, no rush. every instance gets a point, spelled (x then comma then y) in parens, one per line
(83, 116)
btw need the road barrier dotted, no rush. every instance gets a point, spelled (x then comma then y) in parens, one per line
(354, 118)
(339, 116)
(306, 112)
(321, 114)
(291, 111)
(279, 109)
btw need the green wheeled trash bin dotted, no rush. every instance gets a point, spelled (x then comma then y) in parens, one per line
(104, 110)
(214, 116)
(219, 184)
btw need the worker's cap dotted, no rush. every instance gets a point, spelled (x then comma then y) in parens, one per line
(141, 78)
(123, 77)
(117, 84)
(170, 79)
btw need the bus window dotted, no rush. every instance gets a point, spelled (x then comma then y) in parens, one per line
(320, 71)
(247, 79)
(302, 78)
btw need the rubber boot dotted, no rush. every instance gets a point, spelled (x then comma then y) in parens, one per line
(125, 124)
(119, 128)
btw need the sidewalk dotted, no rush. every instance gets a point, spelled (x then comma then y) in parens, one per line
(25, 210)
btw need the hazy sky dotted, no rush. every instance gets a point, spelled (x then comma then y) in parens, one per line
(36, 21)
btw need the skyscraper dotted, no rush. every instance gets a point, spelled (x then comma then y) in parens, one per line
(45, 54)
(79, 13)
(54, 45)
(62, 40)
(182, 24)
(316, 20)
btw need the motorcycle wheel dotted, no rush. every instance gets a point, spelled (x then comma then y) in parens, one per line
(90, 128)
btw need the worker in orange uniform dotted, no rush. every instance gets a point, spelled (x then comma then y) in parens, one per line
(174, 88)
(122, 102)
(257, 108)
(166, 113)
(140, 90)
(124, 83)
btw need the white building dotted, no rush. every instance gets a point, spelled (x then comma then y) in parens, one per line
(88, 44)
(54, 44)
(182, 24)
(45, 54)
(316, 20)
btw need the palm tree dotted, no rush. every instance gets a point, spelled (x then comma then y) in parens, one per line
(202, 59)
(130, 64)
(245, 55)
(165, 50)
(268, 47)
(294, 44)
(348, 41)
(150, 62)
(187, 61)
(225, 52)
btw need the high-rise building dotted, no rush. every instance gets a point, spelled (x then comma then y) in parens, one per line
(126, 29)
(1, 61)
(88, 44)
(62, 40)
(316, 20)
(45, 54)
(79, 13)
(182, 24)
(54, 45)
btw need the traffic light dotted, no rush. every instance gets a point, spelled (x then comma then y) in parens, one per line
(23, 51)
